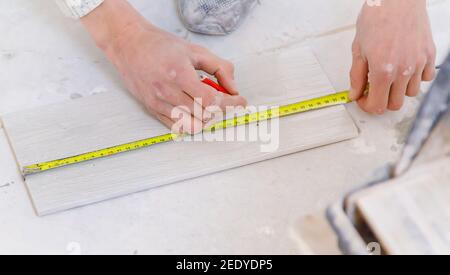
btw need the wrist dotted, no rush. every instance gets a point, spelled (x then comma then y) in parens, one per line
(395, 4)
(110, 21)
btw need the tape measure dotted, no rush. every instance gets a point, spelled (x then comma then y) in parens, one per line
(281, 111)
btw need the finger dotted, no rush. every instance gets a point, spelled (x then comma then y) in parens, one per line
(398, 92)
(204, 94)
(413, 88)
(176, 97)
(224, 101)
(179, 116)
(167, 122)
(377, 98)
(157, 106)
(222, 69)
(191, 84)
(429, 72)
(184, 121)
(358, 77)
(179, 128)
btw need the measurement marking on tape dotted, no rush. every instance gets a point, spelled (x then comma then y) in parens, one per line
(281, 111)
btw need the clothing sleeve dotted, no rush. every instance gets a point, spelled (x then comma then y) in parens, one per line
(78, 8)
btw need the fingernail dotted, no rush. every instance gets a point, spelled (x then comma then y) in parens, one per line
(245, 103)
(207, 116)
(206, 120)
(352, 94)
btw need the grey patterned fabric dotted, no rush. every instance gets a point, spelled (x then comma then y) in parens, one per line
(78, 8)
(214, 17)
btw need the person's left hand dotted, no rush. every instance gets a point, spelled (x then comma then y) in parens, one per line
(393, 51)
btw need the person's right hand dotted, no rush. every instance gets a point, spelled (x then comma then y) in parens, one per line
(160, 71)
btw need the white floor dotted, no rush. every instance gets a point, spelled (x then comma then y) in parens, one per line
(46, 58)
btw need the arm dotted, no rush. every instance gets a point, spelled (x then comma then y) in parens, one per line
(394, 51)
(158, 68)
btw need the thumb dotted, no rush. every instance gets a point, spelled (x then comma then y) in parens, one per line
(358, 76)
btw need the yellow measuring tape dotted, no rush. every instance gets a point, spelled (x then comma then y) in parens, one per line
(290, 109)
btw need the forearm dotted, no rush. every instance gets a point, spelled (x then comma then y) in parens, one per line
(109, 21)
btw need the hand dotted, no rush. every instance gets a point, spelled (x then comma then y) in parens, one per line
(160, 70)
(394, 51)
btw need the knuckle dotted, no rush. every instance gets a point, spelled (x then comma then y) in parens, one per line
(431, 52)
(151, 103)
(208, 99)
(355, 48)
(385, 74)
(406, 70)
(198, 49)
(228, 66)
(421, 61)
(382, 70)
(182, 109)
(162, 93)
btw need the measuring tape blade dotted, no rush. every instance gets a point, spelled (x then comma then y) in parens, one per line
(276, 112)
